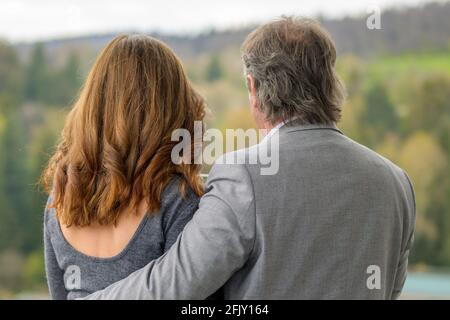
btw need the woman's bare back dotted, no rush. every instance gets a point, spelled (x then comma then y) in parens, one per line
(105, 241)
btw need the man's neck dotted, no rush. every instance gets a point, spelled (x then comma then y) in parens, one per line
(269, 126)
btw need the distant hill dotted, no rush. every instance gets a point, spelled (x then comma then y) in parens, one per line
(418, 29)
(425, 28)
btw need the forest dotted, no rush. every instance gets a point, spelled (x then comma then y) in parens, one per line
(398, 104)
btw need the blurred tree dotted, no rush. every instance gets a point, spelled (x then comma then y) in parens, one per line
(353, 72)
(430, 106)
(10, 97)
(238, 117)
(379, 115)
(379, 111)
(431, 190)
(222, 96)
(13, 182)
(37, 76)
(214, 70)
(33, 275)
(11, 77)
(66, 82)
(11, 267)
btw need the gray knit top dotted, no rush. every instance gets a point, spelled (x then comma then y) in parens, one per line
(72, 274)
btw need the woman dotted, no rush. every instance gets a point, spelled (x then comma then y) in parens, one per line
(117, 201)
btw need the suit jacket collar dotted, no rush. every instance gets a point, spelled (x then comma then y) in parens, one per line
(293, 127)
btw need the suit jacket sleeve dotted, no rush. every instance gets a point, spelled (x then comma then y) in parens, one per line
(410, 220)
(213, 245)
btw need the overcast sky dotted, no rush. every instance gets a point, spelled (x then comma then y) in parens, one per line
(25, 20)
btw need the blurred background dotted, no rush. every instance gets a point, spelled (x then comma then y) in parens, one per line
(397, 77)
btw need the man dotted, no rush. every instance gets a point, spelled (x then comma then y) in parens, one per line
(335, 222)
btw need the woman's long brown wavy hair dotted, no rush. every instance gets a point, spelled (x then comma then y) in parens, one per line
(115, 149)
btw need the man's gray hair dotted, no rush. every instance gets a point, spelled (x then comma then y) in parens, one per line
(292, 62)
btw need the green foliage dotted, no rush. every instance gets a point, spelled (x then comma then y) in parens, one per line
(13, 180)
(214, 70)
(11, 266)
(10, 77)
(37, 76)
(33, 271)
(379, 115)
(29, 127)
(66, 83)
(48, 86)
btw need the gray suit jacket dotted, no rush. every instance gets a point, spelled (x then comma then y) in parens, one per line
(335, 222)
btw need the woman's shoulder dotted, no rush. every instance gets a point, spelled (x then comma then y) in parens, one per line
(51, 223)
(176, 204)
(173, 193)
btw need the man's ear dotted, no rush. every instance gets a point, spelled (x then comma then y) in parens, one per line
(251, 85)
(252, 93)
(257, 114)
